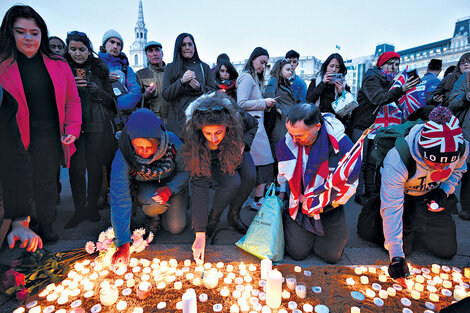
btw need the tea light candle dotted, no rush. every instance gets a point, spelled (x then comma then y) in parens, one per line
(243, 272)
(364, 280)
(436, 268)
(227, 280)
(433, 297)
(179, 273)
(143, 290)
(383, 278)
(266, 267)
(370, 293)
(446, 292)
(431, 288)
(372, 270)
(240, 287)
(255, 292)
(230, 268)
(136, 269)
(178, 285)
(437, 280)
(444, 276)
(189, 276)
(248, 279)
(62, 300)
(376, 286)
(179, 305)
(301, 291)
(169, 279)
(358, 270)
(203, 297)
(43, 293)
(96, 308)
(307, 307)
(130, 283)
(122, 305)
(161, 286)
(217, 307)
(119, 282)
(93, 276)
(418, 287)
(405, 301)
(466, 272)
(297, 269)
(48, 309)
(104, 273)
(274, 289)
(355, 309)
(75, 292)
(285, 294)
(196, 281)
(397, 287)
(236, 294)
(383, 294)
(187, 262)
(378, 302)
(459, 293)
(252, 268)
(415, 294)
(88, 294)
(447, 284)
(316, 289)
(391, 291)
(126, 292)
(35, 310)
(292, 305)
(307, 273)
(349, 281)
(234, 309)
(238, 280)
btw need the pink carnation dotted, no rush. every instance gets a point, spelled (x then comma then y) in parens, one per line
(90, 247)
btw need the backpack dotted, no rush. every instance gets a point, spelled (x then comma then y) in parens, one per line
(394, 136)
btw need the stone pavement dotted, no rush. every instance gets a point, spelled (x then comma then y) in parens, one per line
(357, 251)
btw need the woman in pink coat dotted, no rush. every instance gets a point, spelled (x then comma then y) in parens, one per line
(49, 111)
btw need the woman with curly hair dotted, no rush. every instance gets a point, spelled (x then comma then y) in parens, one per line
(217, 139)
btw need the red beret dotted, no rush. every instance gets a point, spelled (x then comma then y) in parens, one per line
(384, 57)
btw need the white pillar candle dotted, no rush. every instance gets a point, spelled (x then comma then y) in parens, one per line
(189, 301)
(266, 267)
(274, 289)
(301, 291)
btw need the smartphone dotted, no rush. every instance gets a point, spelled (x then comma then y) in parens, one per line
(413, 74)
(81, 73)
(337, 77)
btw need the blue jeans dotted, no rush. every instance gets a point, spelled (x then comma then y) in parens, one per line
(173, 211)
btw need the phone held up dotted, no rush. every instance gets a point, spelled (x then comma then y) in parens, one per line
(337, 77)
(81, 73)
(412, 74)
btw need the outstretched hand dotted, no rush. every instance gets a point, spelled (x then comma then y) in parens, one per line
(121, 256)
(29, 239)
(199, 247)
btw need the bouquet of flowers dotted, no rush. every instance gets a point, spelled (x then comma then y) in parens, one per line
(106, 247)
(35, 270)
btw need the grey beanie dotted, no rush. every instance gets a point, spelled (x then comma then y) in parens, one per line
(110, 34)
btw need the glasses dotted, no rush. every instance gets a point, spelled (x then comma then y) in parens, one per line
(76, 33)
(216, 110)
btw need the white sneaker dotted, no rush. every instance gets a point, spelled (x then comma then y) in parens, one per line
(257, 205)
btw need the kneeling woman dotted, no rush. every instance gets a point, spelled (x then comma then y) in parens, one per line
(149, 158)
(217, 139)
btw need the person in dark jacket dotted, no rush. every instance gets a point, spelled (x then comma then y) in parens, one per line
(374, 93)
(323, 90)
(185, 79)
(16, 177)
(278, 88)
(226, 78)
(151, 80)
(297, 84)
(441, 95)
(150, 158)
(98, 109)
(217, 139)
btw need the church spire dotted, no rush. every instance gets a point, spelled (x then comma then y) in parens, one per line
(137, 51)
(140, 19)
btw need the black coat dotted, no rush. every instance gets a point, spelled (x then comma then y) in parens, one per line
(374, 93)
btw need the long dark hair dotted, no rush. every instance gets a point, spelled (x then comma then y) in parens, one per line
(277, 69)
(7, 39)
(230, 68)
(197, 155)
(178, 58)
(337, 56)
(456, 73)
(258, 51)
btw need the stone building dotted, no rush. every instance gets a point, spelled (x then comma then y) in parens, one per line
(137, 57)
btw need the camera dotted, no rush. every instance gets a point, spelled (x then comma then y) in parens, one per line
(337, 77)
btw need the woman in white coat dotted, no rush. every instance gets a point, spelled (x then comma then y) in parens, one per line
(250, 98)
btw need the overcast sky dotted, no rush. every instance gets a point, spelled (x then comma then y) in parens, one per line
(311, 27)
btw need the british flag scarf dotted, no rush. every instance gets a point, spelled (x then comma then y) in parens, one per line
(305, 168)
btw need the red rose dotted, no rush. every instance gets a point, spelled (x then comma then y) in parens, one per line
(8, 280)
(19, 278)
(22, 295)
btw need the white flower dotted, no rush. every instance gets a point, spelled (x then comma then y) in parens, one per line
(110, 233)
(102, 236)
(150, 237)
(139, 232)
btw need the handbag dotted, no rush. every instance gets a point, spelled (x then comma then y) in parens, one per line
(265, 236)
(344, 104)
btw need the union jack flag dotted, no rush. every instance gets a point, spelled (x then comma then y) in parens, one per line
(410, 101)
(447, 136)
(388, 115)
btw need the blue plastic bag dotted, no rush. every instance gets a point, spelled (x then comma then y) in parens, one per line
(265, 237)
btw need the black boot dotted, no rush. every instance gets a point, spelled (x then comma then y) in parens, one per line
(464, 214)
(212, 224)
(47, 234)
(234, 219)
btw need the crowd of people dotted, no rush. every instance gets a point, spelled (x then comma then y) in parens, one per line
(166, 135)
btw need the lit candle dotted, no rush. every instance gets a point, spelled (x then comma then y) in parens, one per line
(391, 291)
(266, 267)
(364, 280)
(397, 287)
(88, 294)
(447, 284)
(43, 293)
(93, 276)
(234, 309)
(285, 294)
(143, 290)
(378, 302)
(119, 282)
(301, 291)
(383, 294)
(231, 275)
(140, 310)
(136, 269)
(466, 272)
(459, 293)
(446, 292)
(236, 294)
(349, 281)
(307, 307)
(415, 294)
(130, 283)
(189, 276)
(444, 276)
(355, 309)
(126, 292)
(229, 268)
(227, 280)
(376, 286)
(35, 310)
(243, 272)
(274, 289)
(173, 263)
(383, 278)
(297, 269)
(121, 305)
(96, 308)
(224, 292)
(418, 287)
(238, 280)
(370, 293)
(161, 286)
(316, 289)
(292, 305)
(431, 288)
(203, 297)
(187, 262)
(251, 268)
(358, 270)
(436, 268)
(169, 279)
(307, 273)
(433, 297)
(178, 285)
(196, 281)
(372, 270)
(62, 300)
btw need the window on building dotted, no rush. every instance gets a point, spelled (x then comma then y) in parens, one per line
(136, 58)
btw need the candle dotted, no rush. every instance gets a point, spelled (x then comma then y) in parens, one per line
(285, 294)
(466, 272)
(229, 268)
(292, 305)
(252, 268)
(364, 280)
(48, 309)
(307, 273)
(274, 289)
(266, 309)
(140, 310)
(355, 309)
(307, 308)
(444, 276)
(126, 292)
(370, 293)
(431, 288)
(236, 294)
(136, 269)
(459, 293)
(349, 281)
(397, 287)
(391, 291)
(217, 307)
(446, 292)
(247, 278)
(189, 276)
(203, 297)
(376, 286)
(297, 269)
(316, 289)
(436, 268)
(372, 270)
(243, 272)
(383, 294)
(143, 290)
(238, 280)
(227, 280)
(43, 293)
(187, 262)
(437, 280)
(130, 283)
(189, 301)
(35, 310)
(161, 286)
(358, 270)
(178, 285)
(196, 281)
(419, 287)
(382, 278)
(234, 309)
(301, 291)
(415, 294)
(266, 267)
(211, 279)
(447, 284)
(405, 301)
(161, 305)
(121, 305)
(433, 297)
(224, 292)
(62, 300)
(378, 302)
